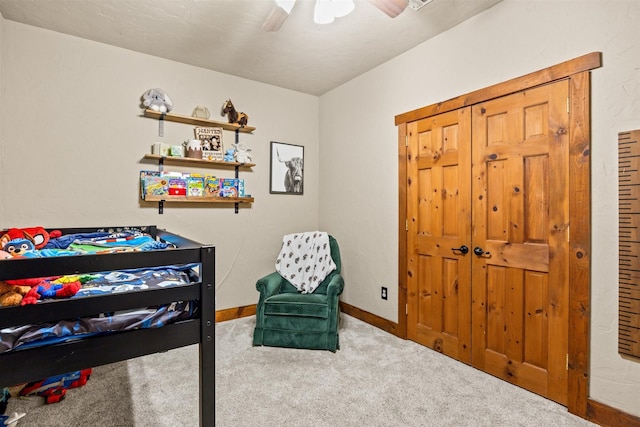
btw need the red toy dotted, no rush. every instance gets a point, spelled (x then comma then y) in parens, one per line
(54, 389)
(46, 290)
(37, 235)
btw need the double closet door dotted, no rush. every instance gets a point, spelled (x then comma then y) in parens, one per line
(487, 236)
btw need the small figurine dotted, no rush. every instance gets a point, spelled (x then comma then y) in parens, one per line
(201, 112)
(242, 152)
(228, 155)
(233, 116)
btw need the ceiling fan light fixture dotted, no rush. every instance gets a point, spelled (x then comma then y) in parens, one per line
(325, 12)
(392, 8)
(279, 13)
(342, 8)
(322, 13)
(286, 5)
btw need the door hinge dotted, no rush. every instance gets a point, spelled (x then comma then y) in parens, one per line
(567, 105)
(406, 309)
(567, 366)
(406, 140)
(406, 225)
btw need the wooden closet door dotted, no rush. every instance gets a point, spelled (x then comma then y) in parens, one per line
(521, 221)
(439, 212)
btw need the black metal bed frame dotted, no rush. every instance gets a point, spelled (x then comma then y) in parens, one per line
(26, 365)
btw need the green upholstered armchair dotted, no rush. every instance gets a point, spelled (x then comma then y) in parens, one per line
(287, 318)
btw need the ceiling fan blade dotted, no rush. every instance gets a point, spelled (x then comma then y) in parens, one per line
(275, 19)
(392, 8)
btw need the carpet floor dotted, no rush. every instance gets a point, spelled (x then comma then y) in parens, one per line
(376, 379)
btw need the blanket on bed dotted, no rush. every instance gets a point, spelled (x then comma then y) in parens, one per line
(29, 336)
(305, 260)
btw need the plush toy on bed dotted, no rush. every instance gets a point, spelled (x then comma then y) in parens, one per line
(36, 235)
(47, 290)
(29, 291)
(12, 294)
(18, 247)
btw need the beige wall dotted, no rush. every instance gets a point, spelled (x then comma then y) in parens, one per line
(358, 146)
(72, 144)
(69, 113)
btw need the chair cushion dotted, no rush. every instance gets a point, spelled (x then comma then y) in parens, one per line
(302, 305)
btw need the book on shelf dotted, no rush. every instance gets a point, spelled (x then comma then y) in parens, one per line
(194, 186)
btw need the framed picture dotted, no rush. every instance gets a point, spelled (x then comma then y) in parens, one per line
(210, 142)
(287, 169)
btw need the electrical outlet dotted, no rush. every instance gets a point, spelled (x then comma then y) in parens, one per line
(383, 293)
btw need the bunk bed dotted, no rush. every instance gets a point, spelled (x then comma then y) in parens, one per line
(113, 347)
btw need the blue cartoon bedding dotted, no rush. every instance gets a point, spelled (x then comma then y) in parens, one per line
(33, 290)
(29, 336)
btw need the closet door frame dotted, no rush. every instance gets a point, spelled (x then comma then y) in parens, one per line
(577, 72)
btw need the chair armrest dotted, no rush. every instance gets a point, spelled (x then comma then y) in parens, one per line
(269, 285)
(335, 286)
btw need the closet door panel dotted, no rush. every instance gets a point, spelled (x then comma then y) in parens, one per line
(520, 227)
(438, 212)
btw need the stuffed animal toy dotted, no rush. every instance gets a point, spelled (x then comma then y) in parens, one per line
(242, 152)
(157, 100)
(228, 155)
(11, 295)
(12, 292)
(29, 291)
(233, 116)
(47, 290)
(18, 247)
(37, 235)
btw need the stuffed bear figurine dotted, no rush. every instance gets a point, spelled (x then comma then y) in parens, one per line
(12, 294)
(157, 100)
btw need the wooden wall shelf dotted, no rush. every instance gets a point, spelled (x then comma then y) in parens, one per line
(171, 117)
(192, 199)
(196, 162)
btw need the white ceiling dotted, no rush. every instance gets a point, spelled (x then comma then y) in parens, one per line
(225, 35)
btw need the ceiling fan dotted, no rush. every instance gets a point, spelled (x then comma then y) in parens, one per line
(326, 11)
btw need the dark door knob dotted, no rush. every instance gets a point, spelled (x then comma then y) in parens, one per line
(479, 251)
(462, 249)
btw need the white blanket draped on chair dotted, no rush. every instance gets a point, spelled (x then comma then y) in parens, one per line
(305, 260)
